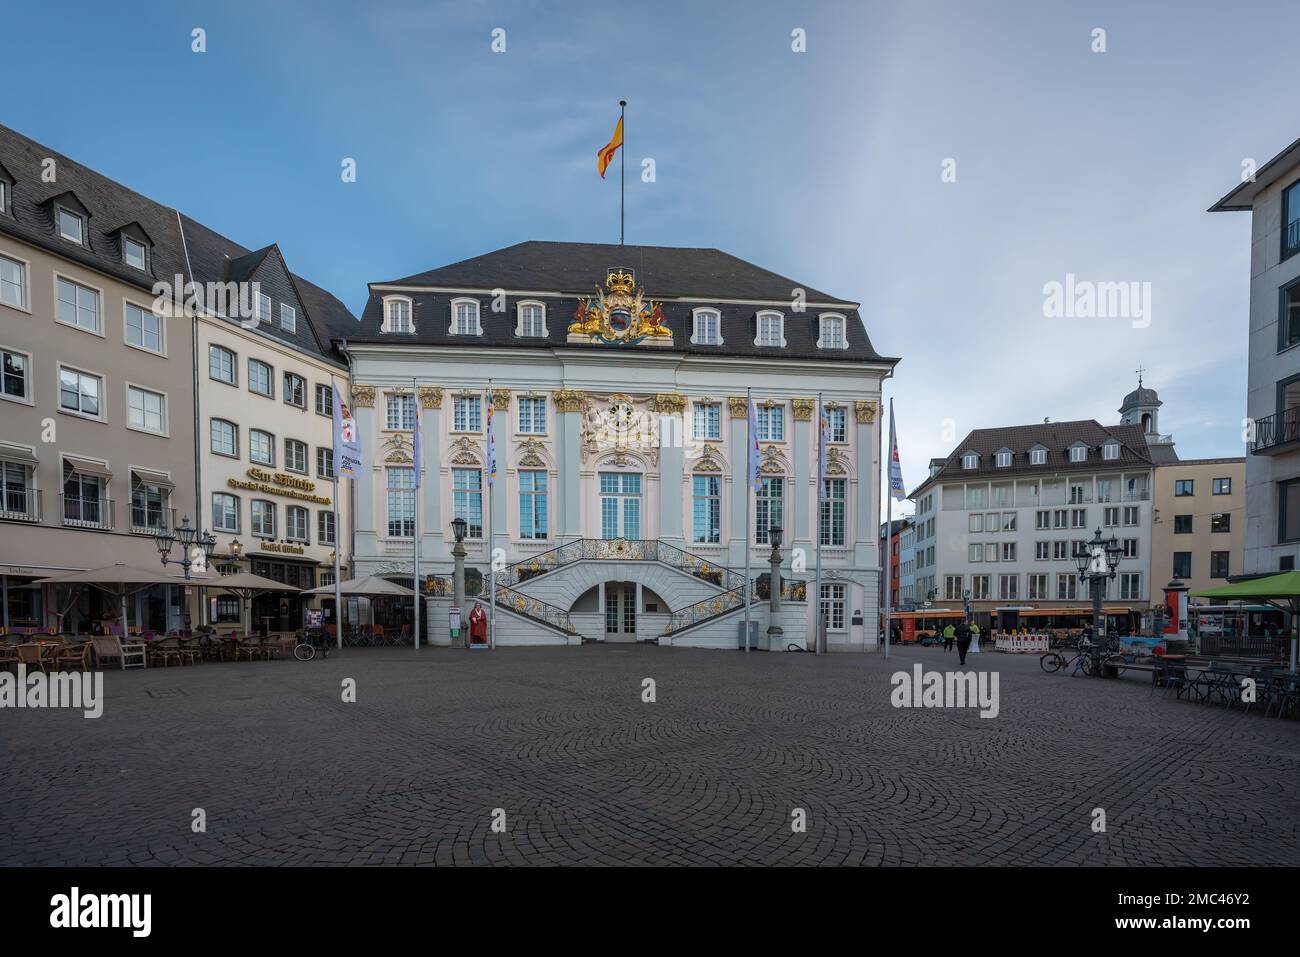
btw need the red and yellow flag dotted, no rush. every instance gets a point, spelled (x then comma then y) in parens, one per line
(606, 154)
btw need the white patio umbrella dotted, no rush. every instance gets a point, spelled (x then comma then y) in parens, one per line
(368, 586)
(121, 580)
(247, 586)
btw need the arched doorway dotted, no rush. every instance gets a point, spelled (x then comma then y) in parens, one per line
(617, 611)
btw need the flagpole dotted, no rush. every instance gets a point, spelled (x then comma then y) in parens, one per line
(622, 167)
(821, 482)
(419, 455)
(338, 587)
(491, 481)
(749, 509)
(889, 524)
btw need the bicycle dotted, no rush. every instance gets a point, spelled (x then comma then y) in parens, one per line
(305, 650)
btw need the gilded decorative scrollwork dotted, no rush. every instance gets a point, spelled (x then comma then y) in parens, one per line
(501, 399)
(430, 397)
(669, 403)
(569, 400)
(865, 411)
(363, 396)
(737, 405)
(804, 409)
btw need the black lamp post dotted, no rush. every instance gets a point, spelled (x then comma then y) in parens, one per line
(189, 539)
(774, 631)
(458, 528)
(1097, 561)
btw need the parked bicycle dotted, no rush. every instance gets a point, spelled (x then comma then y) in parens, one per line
(305, 650)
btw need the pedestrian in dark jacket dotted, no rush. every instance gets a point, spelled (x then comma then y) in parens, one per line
(963, 641)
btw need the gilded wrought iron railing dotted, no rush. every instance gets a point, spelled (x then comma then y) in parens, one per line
(721, 604)
(517, 602)
(619, 550)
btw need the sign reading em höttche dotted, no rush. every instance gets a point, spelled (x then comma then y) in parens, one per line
(278, 483)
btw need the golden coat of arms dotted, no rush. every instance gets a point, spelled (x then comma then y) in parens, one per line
(620, 315)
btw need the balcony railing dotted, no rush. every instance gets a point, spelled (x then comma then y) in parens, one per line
(1273, 432)
(151, 521)
(20, 504)
(87, 512)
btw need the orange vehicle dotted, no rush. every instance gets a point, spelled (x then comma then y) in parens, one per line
(926, 623)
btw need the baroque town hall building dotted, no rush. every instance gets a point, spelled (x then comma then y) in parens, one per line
(618, 377)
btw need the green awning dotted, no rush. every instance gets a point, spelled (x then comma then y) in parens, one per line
(1275, 587)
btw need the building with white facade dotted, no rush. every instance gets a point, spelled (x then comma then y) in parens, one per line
(617, 376)
(1010, 505)
(1272, 537)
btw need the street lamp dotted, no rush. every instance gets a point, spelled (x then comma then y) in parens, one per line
(1097, 561)
(774, 631)
(236, 548)
(458, 527)
(188, 538)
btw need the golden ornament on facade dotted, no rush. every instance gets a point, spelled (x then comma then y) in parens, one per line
(738, 406)
(501, 399)
(670, 403)
(569, 400)
(430, 397)
(803, 409)
(363, 396)
(865, 411)
(620, 314)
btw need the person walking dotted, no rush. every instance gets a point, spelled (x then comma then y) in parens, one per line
(949, 635)
(963, 641)
(974, 639)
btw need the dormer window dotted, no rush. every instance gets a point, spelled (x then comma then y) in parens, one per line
(4, 196)
(771, 329)
(707, 327)
(530, 320)
(970, 460)
(133, 253)
(1003, 459)
(397, 316)
(465, 318)
(1078, 453)
(288, 318)
(831, 335)
(263, 308)
(1110, 451)
(71, 226)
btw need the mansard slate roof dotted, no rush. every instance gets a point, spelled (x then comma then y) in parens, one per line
(559, 273)
(111, 207)
(1057, 438)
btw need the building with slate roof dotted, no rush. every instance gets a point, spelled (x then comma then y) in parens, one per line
(154, 412)
(617, 378)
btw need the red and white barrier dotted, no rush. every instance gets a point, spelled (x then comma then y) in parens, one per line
(1021, 644)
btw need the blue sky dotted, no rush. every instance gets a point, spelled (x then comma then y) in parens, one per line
(824, 165)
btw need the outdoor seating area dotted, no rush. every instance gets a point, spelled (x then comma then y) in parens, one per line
(1225, 683)
(61, 652)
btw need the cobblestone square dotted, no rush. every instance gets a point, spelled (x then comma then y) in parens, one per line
(588, 773)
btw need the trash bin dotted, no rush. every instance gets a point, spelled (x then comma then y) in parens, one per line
(753, 634)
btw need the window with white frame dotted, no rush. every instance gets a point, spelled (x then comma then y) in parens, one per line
(1067, 586)
(706, 419)
(832, 606)
(84, 504)
(400, 411)
(263, 308)
(80, 392)
(769, 508)
(4, 196)
(221, 364)
(295, 390)
(833, 512)
(532, 320)
(974, 552)
(397, 316)
(1038, 456)
(1079, 453)
(295, 523)
(979, 587)
(401, 502)
(1008, 587)
(1130, 586)
(970, 460)
(1110, 451)
(1008, 551)
(771, 329)
(1036, 587)
(952, 587)
(1003, 458)
(324, 463)
(831, 332)
(467, 413)
(707, 330)
(1130, 546)
(467, 500)
(263, 518)
(324, 528)
(146, 410)
(288, 318)
(295, 456)
(72, 226)
(225, 438)
(261, 447)
(133, 253)
(770, 423)
(148, 504)
(260, 378)
(465, 318)
(838, 421)
(532, 415)
(144, 329)
(1041, 551)
(13, 283)
(15, 378)
(78, 305)
(324, 399)
(532, 504)
(225, 512)
(706, 511)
